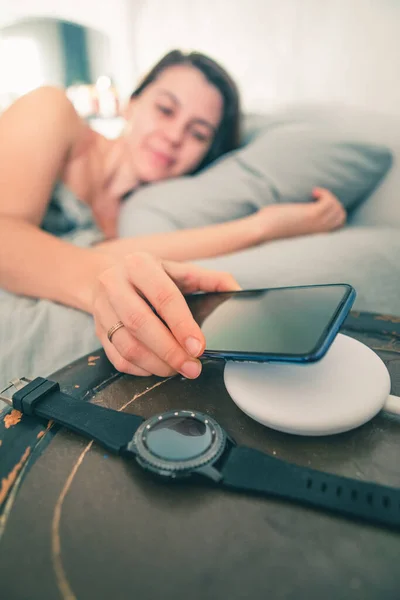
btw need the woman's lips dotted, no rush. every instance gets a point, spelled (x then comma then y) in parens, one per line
(162, 158)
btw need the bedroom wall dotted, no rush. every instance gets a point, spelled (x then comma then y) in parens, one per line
(287, 51)
(99, 54)
(42, 61)
(115, 19)
(345, 51)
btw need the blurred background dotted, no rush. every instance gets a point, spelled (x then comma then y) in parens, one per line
(291, 51)
(40, 51)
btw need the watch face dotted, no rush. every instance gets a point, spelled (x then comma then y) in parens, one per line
(177, 442)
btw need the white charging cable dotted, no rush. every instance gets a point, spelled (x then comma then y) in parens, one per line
(392, 404)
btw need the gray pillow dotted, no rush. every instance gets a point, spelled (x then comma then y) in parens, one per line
(382, 206)
(282, 163)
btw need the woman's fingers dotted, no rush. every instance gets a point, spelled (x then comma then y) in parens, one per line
(126, 352)
(160, 335)
(336, 215)
(339, 219)
(122, 365)
(142, 272)
(328, 211)
(191, 278)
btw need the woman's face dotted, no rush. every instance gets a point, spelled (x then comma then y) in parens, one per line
(172, 123)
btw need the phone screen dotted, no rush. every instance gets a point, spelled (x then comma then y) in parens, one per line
(283, 321)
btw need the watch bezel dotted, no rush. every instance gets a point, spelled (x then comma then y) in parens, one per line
(174, 468)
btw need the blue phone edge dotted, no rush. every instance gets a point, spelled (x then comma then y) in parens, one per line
(313, 356)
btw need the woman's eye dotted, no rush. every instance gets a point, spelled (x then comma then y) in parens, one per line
(201, 137)
(166, 110)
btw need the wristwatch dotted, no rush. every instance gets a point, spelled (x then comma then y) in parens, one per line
(181, 443)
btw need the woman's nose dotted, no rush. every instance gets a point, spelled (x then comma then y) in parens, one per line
(174, 132)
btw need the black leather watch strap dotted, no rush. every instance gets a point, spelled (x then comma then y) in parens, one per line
(43, 398)
(249, 469)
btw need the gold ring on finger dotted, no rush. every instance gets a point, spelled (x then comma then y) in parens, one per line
(113, 329)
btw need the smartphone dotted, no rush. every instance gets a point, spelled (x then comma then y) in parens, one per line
(287, 324)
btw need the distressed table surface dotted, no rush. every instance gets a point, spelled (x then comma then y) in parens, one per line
(77, 522)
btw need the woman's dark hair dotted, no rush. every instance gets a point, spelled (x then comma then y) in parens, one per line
(227, 136)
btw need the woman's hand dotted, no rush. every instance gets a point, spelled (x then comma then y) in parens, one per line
(325, 214)
(150, 344)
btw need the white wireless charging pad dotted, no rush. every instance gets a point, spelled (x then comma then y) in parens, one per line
(343, 390)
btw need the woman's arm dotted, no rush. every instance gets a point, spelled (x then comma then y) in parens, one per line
(37, 136)
(37, 264)
(190, 244)
(270, 223)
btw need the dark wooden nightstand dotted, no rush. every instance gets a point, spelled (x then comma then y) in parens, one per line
(80, 523)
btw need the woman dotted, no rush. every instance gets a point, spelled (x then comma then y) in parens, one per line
(183, 115)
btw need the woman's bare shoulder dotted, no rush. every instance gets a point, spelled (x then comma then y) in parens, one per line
(46, 96)
(47, 105)
(38, 134)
